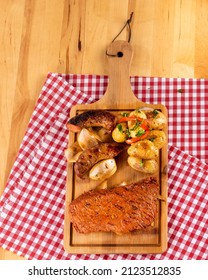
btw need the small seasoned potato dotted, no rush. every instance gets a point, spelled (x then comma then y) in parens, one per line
(134, 126)
(86, 139)
(119, 133)
(143, 165)
(103, 169)
(157, 119)
(157, 137)
(73, 152)
(144, 149)
(138, 113)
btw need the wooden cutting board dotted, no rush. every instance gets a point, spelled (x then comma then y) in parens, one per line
(118, 98)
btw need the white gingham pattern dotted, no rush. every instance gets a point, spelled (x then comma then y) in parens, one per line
(32, 206)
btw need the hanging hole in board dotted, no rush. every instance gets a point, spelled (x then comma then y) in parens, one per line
(127, 24)
(119, 54)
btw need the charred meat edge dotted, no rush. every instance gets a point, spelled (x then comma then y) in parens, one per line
(92, 118)
(91, 156)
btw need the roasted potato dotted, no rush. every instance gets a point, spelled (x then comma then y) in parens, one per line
(144, 149)
(119, 133)
(103, 169)
(157, 137)
(143, 165)
(157, 119)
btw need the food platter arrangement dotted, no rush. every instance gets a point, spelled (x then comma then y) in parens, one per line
(116, 193)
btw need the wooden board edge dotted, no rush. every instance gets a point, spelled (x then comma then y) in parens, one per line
(118, 250)
(131, 106)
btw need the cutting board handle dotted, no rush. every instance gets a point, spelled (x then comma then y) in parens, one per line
(119, 87)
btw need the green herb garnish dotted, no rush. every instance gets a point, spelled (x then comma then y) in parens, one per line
(151, 139)
(155, 113)
(128, 132)
(125, 114)
(180, 90)
(120, 127)
(140, 132)
(137, 124)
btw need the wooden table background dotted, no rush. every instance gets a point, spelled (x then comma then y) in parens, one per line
(169, 39)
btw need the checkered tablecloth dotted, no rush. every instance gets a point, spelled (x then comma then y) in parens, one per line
(32, 205)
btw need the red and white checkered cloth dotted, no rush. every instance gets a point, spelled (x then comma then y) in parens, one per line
(32, 205)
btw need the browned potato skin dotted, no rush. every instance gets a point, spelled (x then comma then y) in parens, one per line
(149, 166)
(157, 119)
(157, 137)
(144, 149)
(119, 134)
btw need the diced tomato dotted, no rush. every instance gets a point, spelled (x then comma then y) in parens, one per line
(144, 126)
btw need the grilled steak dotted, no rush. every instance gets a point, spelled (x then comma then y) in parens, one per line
(91, 156)
(119, 209)
(92, 118)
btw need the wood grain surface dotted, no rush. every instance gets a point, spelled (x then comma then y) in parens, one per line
(169, 38)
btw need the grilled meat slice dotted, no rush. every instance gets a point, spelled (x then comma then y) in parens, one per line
(92, 118)
(119, 209)
(91, 156)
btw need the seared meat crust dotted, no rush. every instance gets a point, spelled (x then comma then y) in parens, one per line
(119, 209)
(93, 118)
(91, 156)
